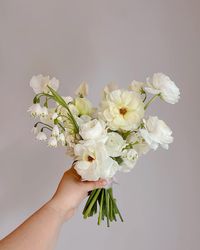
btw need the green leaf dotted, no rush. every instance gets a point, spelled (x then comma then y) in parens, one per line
(62, 102)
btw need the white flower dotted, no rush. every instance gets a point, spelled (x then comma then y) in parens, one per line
(41, 136)
(93, 162)
(122, 109)
(35, 109)
(69, 139)
(156, 132)
(35, 130)
(92, 130)
(129, 157)
(55, 131)
(137, 87)
(39, 83)
(138, 144)
(83, 106)
(61, 138)
(54, 116)
(68, 99)
(114, 144)
(110, 87)
(52, 141)
(82, 90)
(163, 85)
(44, 111)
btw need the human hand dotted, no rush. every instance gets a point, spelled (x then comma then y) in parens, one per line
(71, 191)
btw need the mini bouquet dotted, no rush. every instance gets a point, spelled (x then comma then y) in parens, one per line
(103, 140)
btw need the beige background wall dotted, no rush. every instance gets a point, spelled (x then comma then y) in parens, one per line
(99, 41)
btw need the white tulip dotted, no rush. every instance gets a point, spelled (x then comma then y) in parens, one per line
(114, 144)
(35, 109)
(52, 142)
(41, 136)
(82, 90)
(39, 83)
(163, 85)
(122, 109)
(156, 132)
(93, 162)
(55, 131)
(83, 106)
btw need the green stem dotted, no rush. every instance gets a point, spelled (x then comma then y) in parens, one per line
(150, 101)
(87, 212)
(89, 199)
(107, 207)
(145, 96)
(115, 205)
(46, 128)
(101, 207)
(43, 124)
(61, 126)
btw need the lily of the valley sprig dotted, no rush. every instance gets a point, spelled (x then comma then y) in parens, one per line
(104, 140)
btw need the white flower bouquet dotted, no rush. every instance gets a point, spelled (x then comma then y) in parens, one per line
(103, 140)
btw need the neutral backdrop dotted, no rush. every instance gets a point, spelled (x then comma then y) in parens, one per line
(100, 41)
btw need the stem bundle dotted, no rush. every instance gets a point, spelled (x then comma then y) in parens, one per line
(102, 198)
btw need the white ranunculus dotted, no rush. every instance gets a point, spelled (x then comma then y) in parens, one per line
(52, 142)
(137, 87)
(93, 162)
(114, 144)
(41, 136)
(122, 109)
(39, 84)
(92, 130)
(35, 109)
(156, 132)
(82, 90)
(163, 85)
(55, 131)
(129, 157)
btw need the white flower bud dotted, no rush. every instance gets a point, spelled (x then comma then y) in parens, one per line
(41, 136)
(52, 142)
(55, 131)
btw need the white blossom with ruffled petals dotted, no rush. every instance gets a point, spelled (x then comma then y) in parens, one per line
(156, 132)
(163, 85)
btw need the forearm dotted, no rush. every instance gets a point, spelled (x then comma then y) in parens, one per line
(39, 232)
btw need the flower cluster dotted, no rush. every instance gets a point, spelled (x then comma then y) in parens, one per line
(107, 139)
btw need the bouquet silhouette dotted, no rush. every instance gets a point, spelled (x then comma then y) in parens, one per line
(106, 139)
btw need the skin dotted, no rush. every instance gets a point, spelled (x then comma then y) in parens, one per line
(41, 230)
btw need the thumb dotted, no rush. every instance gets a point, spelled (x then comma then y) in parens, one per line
(91, 185)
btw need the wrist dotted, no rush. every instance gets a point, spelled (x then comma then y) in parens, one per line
(63, 213)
